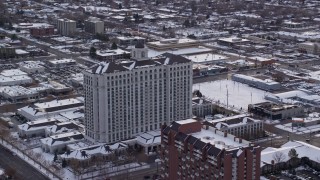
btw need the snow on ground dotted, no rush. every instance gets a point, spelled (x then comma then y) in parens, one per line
(317, 135)
(299, 130)
(1, 171)
(26, 159)
(206, 57)
(14, 135)
(110, 171)
(182, 51)
(263, 178)
(47, 156)
(240, 95)
(271, 121)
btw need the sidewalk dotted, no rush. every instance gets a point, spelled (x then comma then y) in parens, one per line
(30, 161)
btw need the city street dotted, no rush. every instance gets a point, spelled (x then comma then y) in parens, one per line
(23, 171)
(140, 174)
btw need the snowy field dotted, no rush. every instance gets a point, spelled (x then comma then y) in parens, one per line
(240, 95)
(182, 51)
(206, 57)
(299, 130)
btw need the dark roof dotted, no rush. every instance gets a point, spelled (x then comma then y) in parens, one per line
(76, 136)
(70, 125)
(192, 139)
(199, 145)
(45, 123)
(162, 60)
(197, 101)
(169, 59)
(139, 45)
(181, 136)
(57, 108)
(175, 126)
(213, 151)
(166, 130)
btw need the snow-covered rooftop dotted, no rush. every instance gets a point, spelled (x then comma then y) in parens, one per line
(12, 72)
(16, 91)
(111, 52)
(149, 138)
(303, 149)
(219, 140)
(206, 57)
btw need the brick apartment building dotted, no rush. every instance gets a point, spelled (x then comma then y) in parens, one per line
(42, 31)
(190, 150)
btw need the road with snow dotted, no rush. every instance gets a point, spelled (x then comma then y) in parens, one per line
(22, 169)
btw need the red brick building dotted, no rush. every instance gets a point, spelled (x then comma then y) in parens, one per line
(42, 31)
(190, 150)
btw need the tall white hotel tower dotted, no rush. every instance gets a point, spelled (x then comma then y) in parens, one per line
(125, 99)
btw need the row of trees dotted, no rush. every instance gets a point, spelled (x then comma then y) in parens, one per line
(102, 163)
(281, 157)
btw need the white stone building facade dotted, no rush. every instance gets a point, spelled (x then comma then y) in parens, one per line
(66, 27)
(127, 99)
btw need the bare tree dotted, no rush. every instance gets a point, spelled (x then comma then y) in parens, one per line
(279, 157)
(4, 133)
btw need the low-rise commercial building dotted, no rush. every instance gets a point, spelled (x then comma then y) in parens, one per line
(42, 31)
(18, 93)
(261, 61)
(112, 55)
(241, 126)
(264, 84)
(7, 51)
(31, 67)
(311, 120)
(201, 107)
(149, 141)
(275, 111)
(232, 41)
(130, 41)
(60, 63)
(35, 128)
(166, 44)
(45, 109)
(62, 127)
(102, 151)
(58, 143)
(14, 77)
(310, 47)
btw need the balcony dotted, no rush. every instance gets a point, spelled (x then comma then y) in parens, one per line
(178, 142)
(197, 155)
(178, 146)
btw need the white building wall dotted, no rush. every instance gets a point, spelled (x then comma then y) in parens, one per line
(66, 27)
(124, 104)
